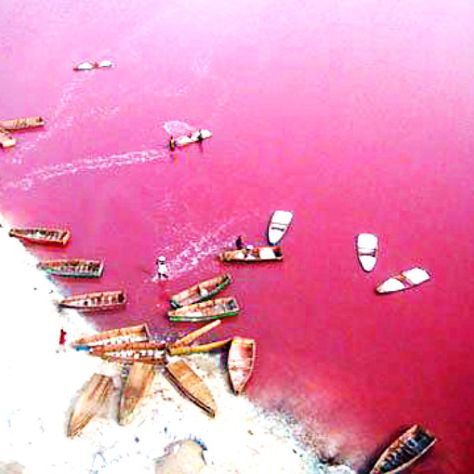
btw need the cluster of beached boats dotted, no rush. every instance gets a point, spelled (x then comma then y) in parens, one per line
(7, 127)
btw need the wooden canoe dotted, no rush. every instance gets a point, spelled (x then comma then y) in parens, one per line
(256, 254)
(209, 347)
(193, 137)
(240, 362)
(191, 385)
(75, 268)
(152, 352)
(100, 301)
(41, 235)
(129, 334)
(6, 140)
(279, 223)
(196, 334)
(201, 291)
(22, 123)
(93, 396)
(404, 451)
(206, 311)
(138, 382)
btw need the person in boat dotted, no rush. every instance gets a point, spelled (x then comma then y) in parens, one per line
(172, 143)
(162, 270)
(239, 243)
(199, 136)
(249, 252)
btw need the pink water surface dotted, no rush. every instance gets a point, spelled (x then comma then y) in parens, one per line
(356, 115)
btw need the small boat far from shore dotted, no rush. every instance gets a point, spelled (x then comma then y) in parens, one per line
(253, 255)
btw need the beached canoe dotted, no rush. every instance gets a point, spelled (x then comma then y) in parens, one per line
(75, 268)
(41, 235)
(367, 246)
(152, 352)
(93, 396)
(139, 333)
(404, 281)
(22, 123)
(279, 223)
(240, 362)
(138, 382)
(191, 385)
(202, 291)
(6, 140)
(209, 347)
(404, 451)
(196, 334)
(193, 138)
(206, 311)
(256, 254)
(99, 301)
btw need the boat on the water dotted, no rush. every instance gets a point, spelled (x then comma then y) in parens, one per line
(151, 352)
(93, 396)
(139, 333)
(253, 255)
(404, 281)
(196, 334)
(279, 223)
(202, 291)
(206, 311)
(90, 65)
(136, 387)
(6, 140)
(196, 136)
(22, 123)
(75, 268)
(99, 301)
(40, 235)
(191, 385)
(404, 451)
(240, 362)
(367, 246)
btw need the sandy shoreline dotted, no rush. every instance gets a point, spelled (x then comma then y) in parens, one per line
(41, 385)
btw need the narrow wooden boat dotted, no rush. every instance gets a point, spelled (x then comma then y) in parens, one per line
(152, 352)
(75, 268)
(193, 335)
(240, 362)
(206, 311)
(404, 281)
(41, 235)
(193, 137)
(89, 65)
(139, 333)
(191, 385)
(138, 382)
(185, 350)
(367, 246)
(404, 451)
(22, 123)
(6, 140)
(253, 255)
(201, 291)
(279, 223)
(100, 301)
(93, 396)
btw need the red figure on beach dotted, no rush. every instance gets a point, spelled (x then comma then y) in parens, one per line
(62, 339)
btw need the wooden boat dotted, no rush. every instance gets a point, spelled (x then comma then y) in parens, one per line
(185, 350)
(240, 362)
(405, 280)
(22, 123)
(193, 137)
(41, 235)
(89, 65)
(138, 382)
(201, 292)
(75, 268)
(206, 311)
(193, 335)
(404, 451)
(6, 140)
(129, 334)
(367, 246)
(279, 223)
(100, 301)
(152, 352)
(253, 255)
(93, 396)
(191, 385)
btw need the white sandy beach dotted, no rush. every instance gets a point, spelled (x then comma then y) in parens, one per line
(40, 386)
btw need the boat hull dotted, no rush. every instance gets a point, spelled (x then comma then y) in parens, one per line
(139, 333)
(256, 255)
(278, 226)
(206, 311)
(240, 362)
(100, 301)
(146, 352)
(73, 268)
(41, 235)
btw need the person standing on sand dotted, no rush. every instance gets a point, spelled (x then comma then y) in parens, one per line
(62, 340)
(239, 243)
(161, 270)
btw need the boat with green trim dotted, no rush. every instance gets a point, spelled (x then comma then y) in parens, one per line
(206, 311)
(74, 268)
(202, 291)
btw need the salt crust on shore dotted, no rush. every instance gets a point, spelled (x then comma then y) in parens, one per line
(40, 385)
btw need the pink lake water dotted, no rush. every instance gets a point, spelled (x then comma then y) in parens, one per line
(358, 116)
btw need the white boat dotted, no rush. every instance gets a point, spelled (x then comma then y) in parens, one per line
(89, 65)
(367, 246)
(194, 137)
(405, 280)
(278, 226)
